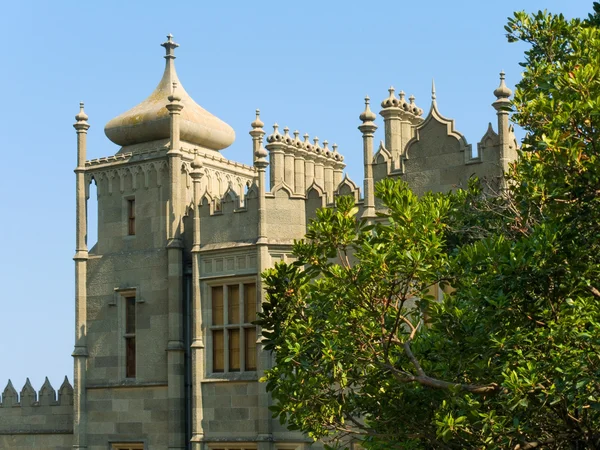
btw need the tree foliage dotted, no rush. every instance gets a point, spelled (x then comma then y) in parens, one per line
(510, 357)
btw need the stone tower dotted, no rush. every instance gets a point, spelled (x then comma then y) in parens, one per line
(166, 355)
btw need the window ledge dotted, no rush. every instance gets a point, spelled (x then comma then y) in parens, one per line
(231, 376)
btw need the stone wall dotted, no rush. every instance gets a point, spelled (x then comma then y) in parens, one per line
(40, 420)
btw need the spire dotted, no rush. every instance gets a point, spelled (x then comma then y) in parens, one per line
(367, 115)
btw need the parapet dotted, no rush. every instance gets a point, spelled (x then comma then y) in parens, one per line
(31, 412)
(298, 164)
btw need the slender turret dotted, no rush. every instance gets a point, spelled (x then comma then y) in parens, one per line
(503, 107)
(80, 352)
(197, 342)
(367, 129)
(175, 355)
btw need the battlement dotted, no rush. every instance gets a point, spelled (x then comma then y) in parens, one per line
(42, 412)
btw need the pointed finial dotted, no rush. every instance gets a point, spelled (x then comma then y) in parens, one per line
(502, 91)
(170, 47)
(433, 97)
(367, 115)
(257, 122)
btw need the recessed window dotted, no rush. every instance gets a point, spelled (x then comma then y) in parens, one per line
(130, 328)
(233, 334)
(131, 216)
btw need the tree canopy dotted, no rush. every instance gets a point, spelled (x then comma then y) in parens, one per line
(509, 357)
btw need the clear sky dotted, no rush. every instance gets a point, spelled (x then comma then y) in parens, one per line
(305, 64)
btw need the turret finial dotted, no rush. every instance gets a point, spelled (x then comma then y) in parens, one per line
(367, 115)
(257, 122)
(502, 91)
(81, 116)
(197, 163)
(174, 97)
(433, 96)
(170, 47)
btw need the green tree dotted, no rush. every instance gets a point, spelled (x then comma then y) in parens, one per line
(511, 357)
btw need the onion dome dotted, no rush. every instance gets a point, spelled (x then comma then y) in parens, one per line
(150, 121)
(367, 115)
(502, 91)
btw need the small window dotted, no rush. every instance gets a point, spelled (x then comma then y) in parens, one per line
(131, 216)
(130, 329)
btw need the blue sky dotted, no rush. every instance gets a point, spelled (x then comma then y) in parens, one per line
(307, 65)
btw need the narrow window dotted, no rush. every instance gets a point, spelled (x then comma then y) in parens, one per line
(249, 302)
(250, 337)
(234, 350)
(130, 337)
(131, 216)
(218, 351)
(217, 305)
(233, 304)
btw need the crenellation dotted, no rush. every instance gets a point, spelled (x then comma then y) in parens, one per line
(9, 396)
(34, 412)
(47, 394)
(28, 396)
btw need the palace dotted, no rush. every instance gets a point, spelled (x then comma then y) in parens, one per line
(166, 355)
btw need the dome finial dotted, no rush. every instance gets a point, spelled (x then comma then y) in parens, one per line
(433, 96)
(367, 115)
(170, 45)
